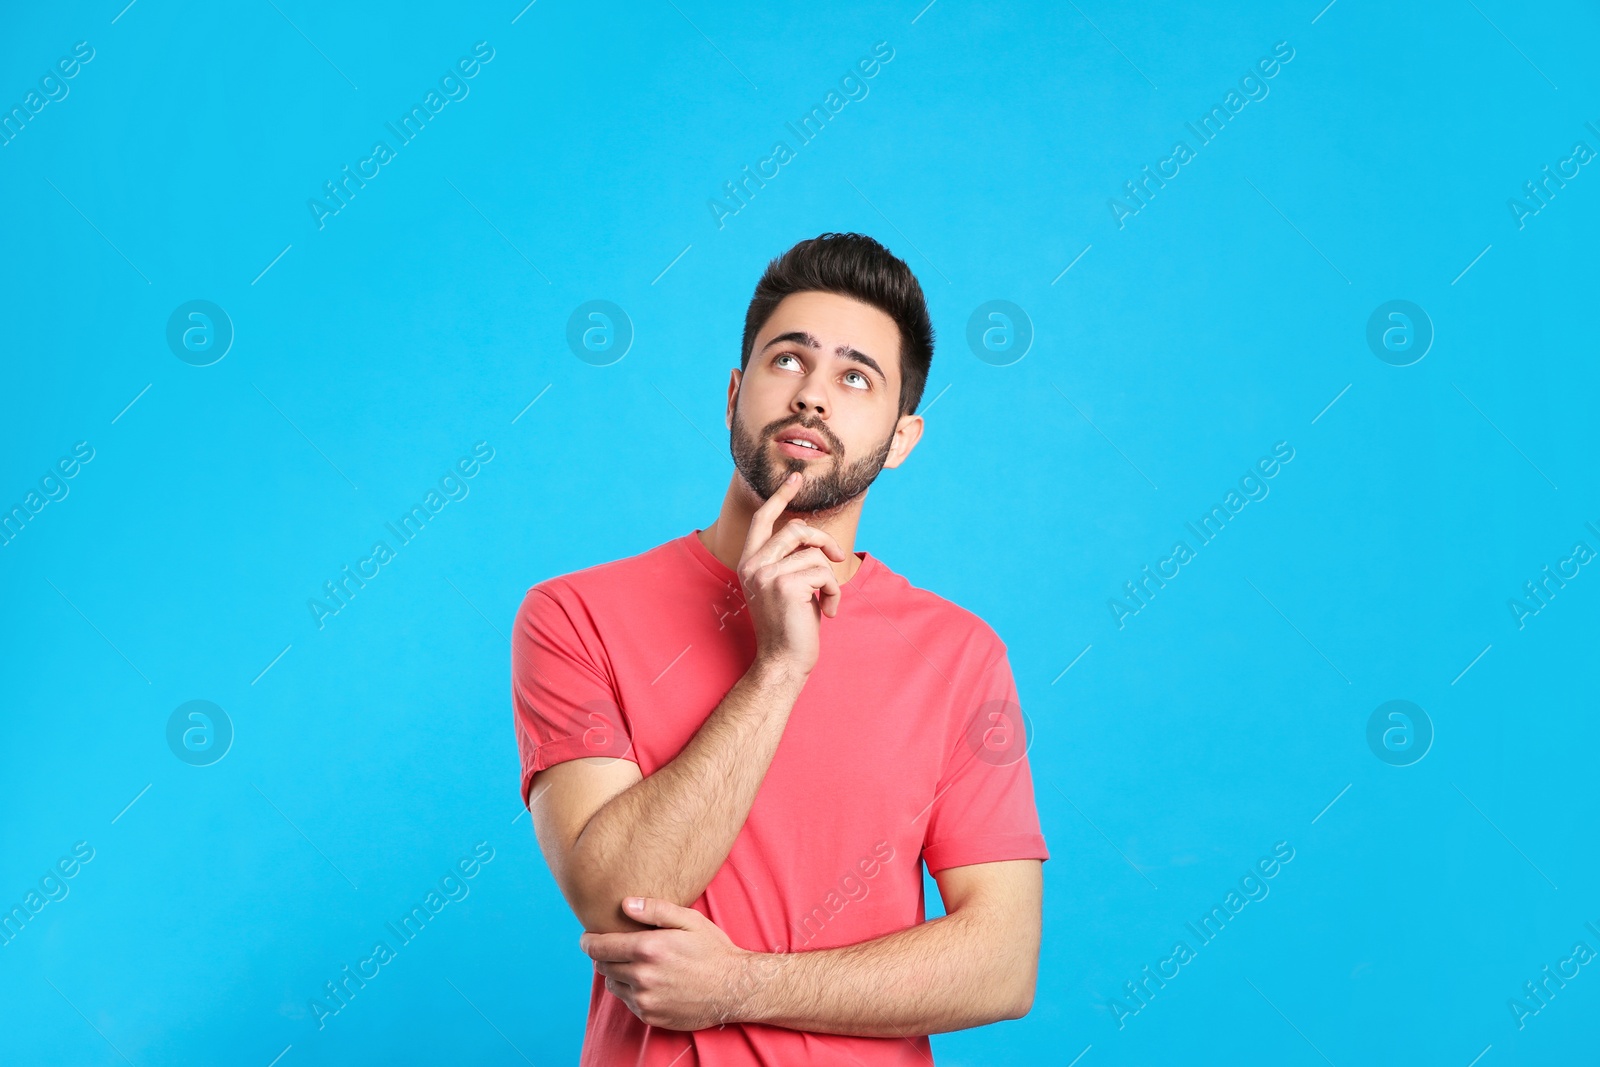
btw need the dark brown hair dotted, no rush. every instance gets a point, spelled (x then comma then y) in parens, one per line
(856, 266)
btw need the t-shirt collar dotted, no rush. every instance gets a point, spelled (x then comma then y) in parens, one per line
(725, 574)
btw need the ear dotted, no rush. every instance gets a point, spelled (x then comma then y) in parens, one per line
(733, 394)
(907, 432)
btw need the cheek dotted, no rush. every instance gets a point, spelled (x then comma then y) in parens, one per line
(761, 401)
(861, 439)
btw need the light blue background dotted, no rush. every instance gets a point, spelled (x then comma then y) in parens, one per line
(428, 313)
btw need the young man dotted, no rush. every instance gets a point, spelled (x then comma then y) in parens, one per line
(740, 747)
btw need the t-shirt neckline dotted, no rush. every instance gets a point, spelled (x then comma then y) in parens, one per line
(724, 573)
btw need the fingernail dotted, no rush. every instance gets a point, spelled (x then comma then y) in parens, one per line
(634, 904)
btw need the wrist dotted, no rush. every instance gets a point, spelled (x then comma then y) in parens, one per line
(752, 984)
(778, 671)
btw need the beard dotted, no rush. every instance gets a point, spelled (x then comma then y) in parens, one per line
(833, 487)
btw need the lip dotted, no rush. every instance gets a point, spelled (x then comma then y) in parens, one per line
(800, 451)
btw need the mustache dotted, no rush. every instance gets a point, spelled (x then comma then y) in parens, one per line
(819, 429)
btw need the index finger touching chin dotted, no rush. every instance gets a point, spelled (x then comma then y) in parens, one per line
(766, 515)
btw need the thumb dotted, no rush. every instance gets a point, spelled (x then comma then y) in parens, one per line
(653, 911)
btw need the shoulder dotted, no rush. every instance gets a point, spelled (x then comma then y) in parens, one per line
(938, 621)
(603, 583)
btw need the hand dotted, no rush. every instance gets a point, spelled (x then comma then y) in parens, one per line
(684, 975)
(782, 574)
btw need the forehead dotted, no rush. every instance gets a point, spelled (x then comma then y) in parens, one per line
(834, 320)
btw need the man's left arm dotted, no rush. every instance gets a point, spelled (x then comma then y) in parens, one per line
(974, 965)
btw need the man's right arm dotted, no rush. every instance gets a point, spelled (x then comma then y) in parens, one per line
(608, 833)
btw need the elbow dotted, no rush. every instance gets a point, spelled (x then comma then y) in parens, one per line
(597, 903)
(593, 892)
(598, 907)
(607, 921)
(1019, 995)
(1019, 1005)
(595, 889)
(596, 917)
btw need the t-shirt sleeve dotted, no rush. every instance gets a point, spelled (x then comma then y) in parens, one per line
(984, 808)
(564, 703)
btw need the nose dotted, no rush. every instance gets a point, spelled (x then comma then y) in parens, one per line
(808, 402)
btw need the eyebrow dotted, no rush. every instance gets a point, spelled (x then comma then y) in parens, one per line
(854, 355)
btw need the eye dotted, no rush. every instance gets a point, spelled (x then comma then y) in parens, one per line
(785, 355)
(865, 381)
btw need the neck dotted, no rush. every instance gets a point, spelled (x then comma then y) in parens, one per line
(725, 537)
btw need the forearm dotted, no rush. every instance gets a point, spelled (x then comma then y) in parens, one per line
(668, 834)
(957, 971)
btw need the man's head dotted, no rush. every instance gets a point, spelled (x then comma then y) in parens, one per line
(837, 345)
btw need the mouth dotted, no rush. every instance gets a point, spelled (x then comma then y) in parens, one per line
(801, 444)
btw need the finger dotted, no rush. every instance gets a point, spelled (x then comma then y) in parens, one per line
(612, 948)
(816, 569)
(621, 990)
(808, 562)
(664, 913)
(762, 521)
(794, 534)
(797, 532)
(799, 560)
(622, 973)
(831, 596)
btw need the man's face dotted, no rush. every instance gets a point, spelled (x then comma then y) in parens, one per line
(824, 367)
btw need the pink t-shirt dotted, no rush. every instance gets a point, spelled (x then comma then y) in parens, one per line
(904, 748)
